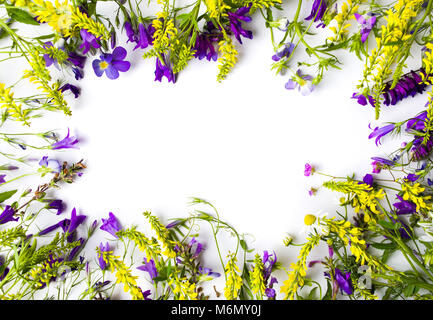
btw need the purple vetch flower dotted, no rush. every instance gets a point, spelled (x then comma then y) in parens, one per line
(235, 19)
(150, 268)
(366, 25)
(64, 224)
(103, 248)
(146, 294)
(75, 221)
(412, 177)
(317, 11)
(49, 60)
(207, 272)
(404, 206)
(66, 143)
(312, 191)
(286, 51)
(303, 82)
(112, 63)
(204, 47)
(111, 225)
(162, 69)
(409, 85)
(378, 133)
(312, 263)
(417, 123)
(89, 41)
(78, 73)
(343, 280)
(5, 269)
(2, 178)
(75, 250)
(270, 293)
(7, 215)
(380, 163)
(308, 170)
(368, 179)
(76, 59)
(195, 247)
(421, 150)
(75, 90)
(173, 224)
(56, 205)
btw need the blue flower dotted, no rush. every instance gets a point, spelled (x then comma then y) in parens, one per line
(378, 133)
(7, 215)
(89, 41)
(111, 225)
(111, 64)
(149, 267)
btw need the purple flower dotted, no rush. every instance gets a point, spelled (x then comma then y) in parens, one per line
(173, 224)
(78, 73)
(308, 170)
(412, 177)
(421, 150)
(362, 100)
(368, 179)
(343, 280)
(317, 11)
(380, 163)
(48, 59)
(56, 205)
(5, 269)
(111, 225)
(75, 90)
(302, 82)
(66, 143)
(103, 248)
(146, 294)
(130, 33)
(235, 19)
(111, 64)
(286, 51)
(404, 206)
(270, 293)
(149, 267)
(366, 25)
(75, 250)
(61, 224)
(144, 37)
(409, 85)
(76, 59)
(2, 178)
(204, 47)
(75, 221)
(417, 123)
(52, 164)
(89, 41)
(378, 133)
(7, 215)
(208, 272)
(163, 70)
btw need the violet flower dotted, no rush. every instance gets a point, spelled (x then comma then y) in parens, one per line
(417, 123)
(75, 221)
(302, 82)
(52, 164)
(78, 73)
(7, 215)
(64, 224)
(235, 19)
(149, 267)
(2, 178)
(48, 59)
(103, 248)
(163, 70)
(76, 59)
(317, 11)
(368, 179)
(207, 272)
(286, 51)
(195, 247)
(112, 63)
(366, 25)
(130, 33)
(378, 133)
(89, 41)
(66, 143)
(409, 85)
(362, 100)
(204, 47)
(111, 225)
(144, 36)
(343, 280)
(75, 250)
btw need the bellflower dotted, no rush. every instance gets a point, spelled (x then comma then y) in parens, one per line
(163, 70)
(112, 63)
(149, 267)
(130, 33)
(75, 221)
(2, 178)
(378, 133)
(366, 25)
(7, 215)
(286, 51)
(89, 41)
(111, 225)
(302, 82)
(235, 19)
(103, 248)
(64, 224)
(417, 123)
(66, 143)
(317, 11)
(344, 282)
(404, 206)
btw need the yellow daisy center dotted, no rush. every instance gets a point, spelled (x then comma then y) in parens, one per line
(309, 219)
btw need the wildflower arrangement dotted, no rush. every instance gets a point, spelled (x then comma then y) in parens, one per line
(379, 242)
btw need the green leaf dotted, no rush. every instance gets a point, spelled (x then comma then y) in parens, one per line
(22, 16)
(6, 195)
(389, 225)
(384, 246)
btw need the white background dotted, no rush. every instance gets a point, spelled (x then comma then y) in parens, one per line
(241, 144)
